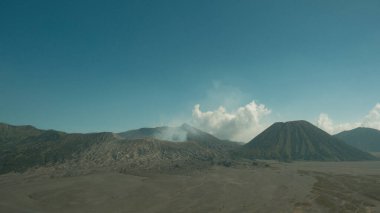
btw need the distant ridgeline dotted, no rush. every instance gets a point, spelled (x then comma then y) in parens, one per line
(365, 139)
(24, 147)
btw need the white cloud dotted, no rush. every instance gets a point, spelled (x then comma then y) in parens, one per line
(326, 123)
(371, 120)
(240, 125)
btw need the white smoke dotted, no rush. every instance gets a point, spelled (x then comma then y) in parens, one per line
(240, 125)
(172, 134)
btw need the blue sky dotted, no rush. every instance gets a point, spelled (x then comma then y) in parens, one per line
(83, 66)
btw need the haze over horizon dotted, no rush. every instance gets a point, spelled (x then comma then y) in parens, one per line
(229, 68)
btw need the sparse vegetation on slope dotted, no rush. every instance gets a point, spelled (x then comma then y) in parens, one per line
(35, 148)
(46, 147)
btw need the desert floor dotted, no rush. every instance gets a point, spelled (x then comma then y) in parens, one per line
(281, 187)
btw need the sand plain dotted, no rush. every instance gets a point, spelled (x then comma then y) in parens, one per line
(280, 187)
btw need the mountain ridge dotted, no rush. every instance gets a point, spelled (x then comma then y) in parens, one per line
(363, 138)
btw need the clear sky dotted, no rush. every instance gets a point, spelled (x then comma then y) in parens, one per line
(83, 66)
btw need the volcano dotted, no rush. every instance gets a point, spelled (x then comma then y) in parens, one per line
(300, 140)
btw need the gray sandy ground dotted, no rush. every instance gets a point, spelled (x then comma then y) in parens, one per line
(282, 187)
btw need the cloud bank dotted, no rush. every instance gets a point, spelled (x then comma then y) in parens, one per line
(240, 125)
(371, 120)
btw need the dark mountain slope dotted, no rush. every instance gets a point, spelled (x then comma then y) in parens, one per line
(25, 146)
(108, 150)
(300, 140)
(365, 139)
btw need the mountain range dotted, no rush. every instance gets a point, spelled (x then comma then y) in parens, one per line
(23, 147)
(182, 147)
